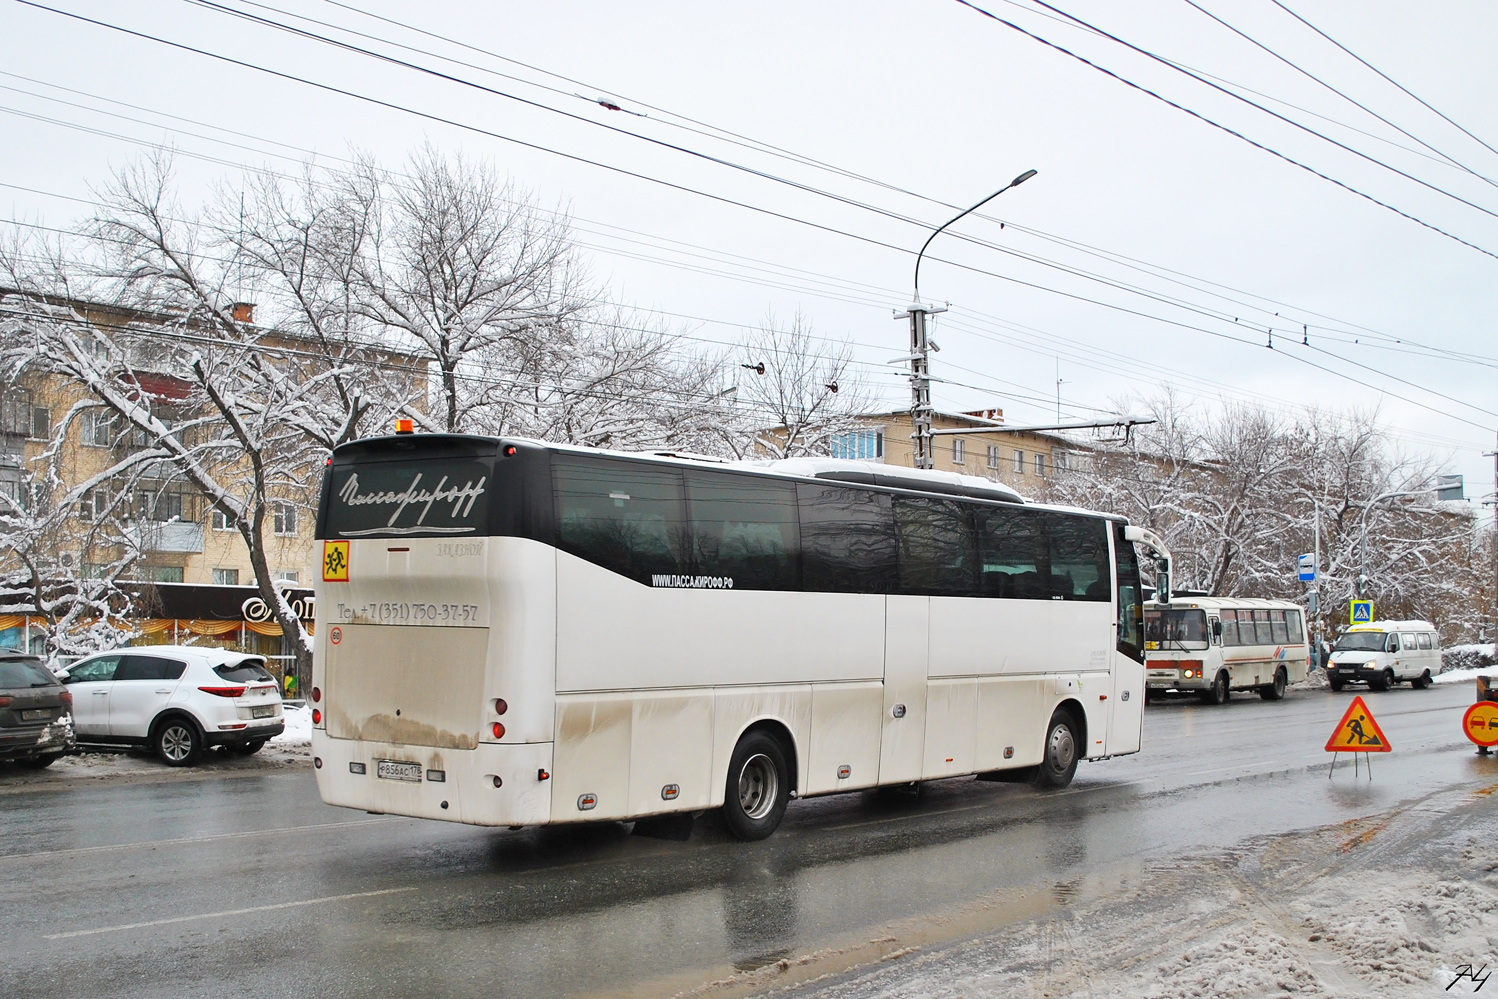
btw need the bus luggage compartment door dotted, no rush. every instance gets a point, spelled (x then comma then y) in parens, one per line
(906, 655)
(407, 685)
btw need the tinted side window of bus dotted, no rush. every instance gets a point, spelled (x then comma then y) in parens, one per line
(1263, 631)
(1277, 629)
(938, 554)
(625, 517)
(1292, 622)
(1013, 553)
(1079, 558)
(744, 529)
(847, 540)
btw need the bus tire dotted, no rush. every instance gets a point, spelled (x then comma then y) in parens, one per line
(759, 787)
(1061, 752)
(1383, 681)
(1218, 693)
(1275, 690)
(1422, 681)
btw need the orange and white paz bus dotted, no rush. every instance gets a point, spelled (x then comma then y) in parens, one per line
(513, 633)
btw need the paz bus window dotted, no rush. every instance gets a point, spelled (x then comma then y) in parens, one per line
(847, 539)
(744, 529)
(1171, 628)
(1278, 631)
(1229, 619)
(629, 518)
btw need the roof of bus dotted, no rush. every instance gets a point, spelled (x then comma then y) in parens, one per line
(1394, 626)
(1223, 603)
(866, 473)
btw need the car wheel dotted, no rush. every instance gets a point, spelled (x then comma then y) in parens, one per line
(246, 748)
(40, 762)
(177, 742)
(759, 787)
(1276, 690)
(1336, 685)
(1061, 755)
(1218, 693)
(1422, 681)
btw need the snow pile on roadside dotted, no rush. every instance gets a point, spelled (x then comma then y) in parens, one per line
(1251, 961)
(1468, 656)
(1464, 675)
(298, 727)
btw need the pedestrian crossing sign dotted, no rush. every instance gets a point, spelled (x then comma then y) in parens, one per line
(1362, 612)
(1357, 732)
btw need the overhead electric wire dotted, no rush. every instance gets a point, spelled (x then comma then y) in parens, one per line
(627, 172)
(1230, 131)
(1386, 77)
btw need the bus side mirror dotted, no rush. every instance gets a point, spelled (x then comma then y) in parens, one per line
(1216, 628)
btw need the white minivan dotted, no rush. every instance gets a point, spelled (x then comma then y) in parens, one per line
(1384, 653)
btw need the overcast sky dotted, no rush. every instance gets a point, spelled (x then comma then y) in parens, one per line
(928, 97)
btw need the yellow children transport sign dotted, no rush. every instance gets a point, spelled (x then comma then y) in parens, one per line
(335, 561)
(1357, 732)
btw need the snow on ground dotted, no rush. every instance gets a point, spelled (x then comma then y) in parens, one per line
(1462, 675)
(298, 726)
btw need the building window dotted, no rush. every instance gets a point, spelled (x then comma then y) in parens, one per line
(93, 506)
(1039, 463)
(283, 517)
(286, 576)
(218, 520)
(98, 428)
(225, 577)
(858, 445)
(1019, 462)
(959, 451)
(993, 456)
(41, 422)
(15, 413)
(1058, 461)
(164, 573)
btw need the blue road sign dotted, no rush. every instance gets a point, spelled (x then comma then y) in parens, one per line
(1362, 612)
(1307, 566)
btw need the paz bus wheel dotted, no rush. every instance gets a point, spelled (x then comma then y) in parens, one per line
(1275, 690)
(759, 787)
(1218, 693)
(1061, 756)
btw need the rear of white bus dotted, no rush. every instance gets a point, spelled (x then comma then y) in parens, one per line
(433, 670)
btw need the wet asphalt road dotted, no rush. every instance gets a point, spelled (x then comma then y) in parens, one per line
(251, 886)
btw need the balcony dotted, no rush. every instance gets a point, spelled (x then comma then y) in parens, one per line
(167, 536)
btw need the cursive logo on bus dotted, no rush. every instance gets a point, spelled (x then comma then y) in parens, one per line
(461, 497)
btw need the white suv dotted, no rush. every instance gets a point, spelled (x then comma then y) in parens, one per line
(175, 699)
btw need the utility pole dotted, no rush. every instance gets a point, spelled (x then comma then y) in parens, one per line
(1494, 504)
(920, 342)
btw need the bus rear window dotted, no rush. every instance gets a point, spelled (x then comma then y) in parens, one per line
(410, 496)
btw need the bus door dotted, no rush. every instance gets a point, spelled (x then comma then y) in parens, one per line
(902, 742)
(1126, 724)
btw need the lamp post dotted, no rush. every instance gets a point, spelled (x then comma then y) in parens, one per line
(920, 345)
(1363, 529)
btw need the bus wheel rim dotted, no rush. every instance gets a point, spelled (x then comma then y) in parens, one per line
(1063, 747)
(759, 786)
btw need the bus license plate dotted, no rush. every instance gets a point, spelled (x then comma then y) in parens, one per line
(263, 711)
(396, 770)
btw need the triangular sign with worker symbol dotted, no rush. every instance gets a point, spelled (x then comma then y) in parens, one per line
(1357, 732)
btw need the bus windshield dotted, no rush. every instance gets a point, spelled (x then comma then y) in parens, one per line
(1175, 629)
(1360, 641)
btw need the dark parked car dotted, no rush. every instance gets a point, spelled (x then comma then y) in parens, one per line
(36, 712)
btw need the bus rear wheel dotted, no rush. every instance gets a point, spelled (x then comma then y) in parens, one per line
(1061, 756)
(759, 787)
(1422, 681)
(1275, 689)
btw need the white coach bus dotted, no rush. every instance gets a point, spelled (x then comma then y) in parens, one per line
(1215, 645)
(512, 633)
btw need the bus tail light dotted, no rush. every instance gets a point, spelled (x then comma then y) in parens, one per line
(316, 717)
(501, 705)
(316, 695)
(499, 730)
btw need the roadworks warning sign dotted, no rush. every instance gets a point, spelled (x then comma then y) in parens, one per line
(1357, 732)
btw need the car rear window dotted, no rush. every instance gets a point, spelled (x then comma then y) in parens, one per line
(244, 671)
(25, 673)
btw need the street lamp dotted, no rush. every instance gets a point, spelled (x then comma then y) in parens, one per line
(1363, 529)
(920, 345)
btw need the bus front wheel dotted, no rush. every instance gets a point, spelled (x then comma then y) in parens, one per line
(1060, 763)
(759, 787)
(1219, 692)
